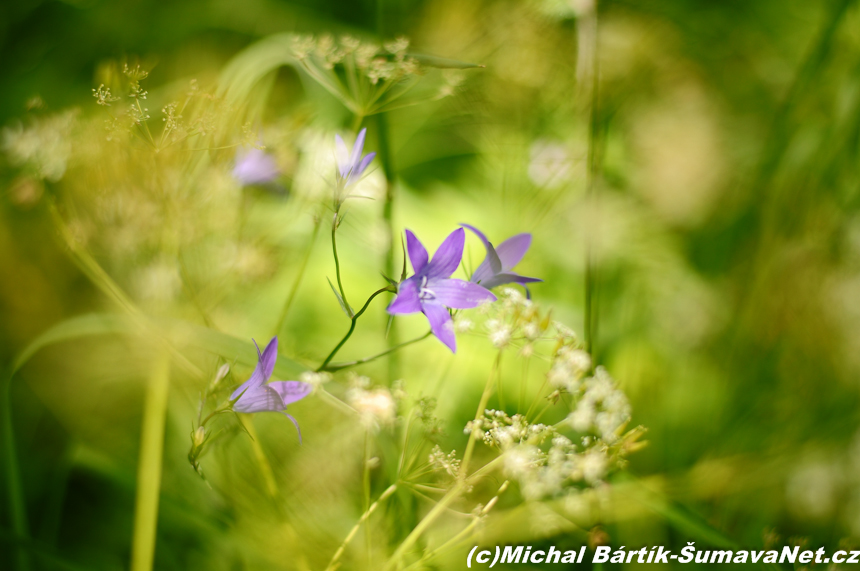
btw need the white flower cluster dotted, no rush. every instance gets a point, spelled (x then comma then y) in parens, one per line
(568, 368)
(375, 405)
(503, 431)
(544, 461)
(541, 470)
(515, 320)
(602, 409)
(445, 462)
(387, 63)
(44, 146)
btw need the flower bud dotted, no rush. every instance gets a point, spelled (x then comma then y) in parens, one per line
(199, 437)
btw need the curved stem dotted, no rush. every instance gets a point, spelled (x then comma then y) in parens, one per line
(337, 265)
(353, 319)
(347, 364)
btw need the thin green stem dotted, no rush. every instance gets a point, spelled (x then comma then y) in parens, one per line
(149, 466)
(465, 532)
(298, 281)
(366, 486)
(590, 318)
(437, 510)
(364, 517)
(482, 405)
(353, 320)
(337, 265)
(338, 366)
(14, 487)
(388, 217)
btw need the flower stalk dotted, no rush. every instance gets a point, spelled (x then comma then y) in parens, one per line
(149, 466)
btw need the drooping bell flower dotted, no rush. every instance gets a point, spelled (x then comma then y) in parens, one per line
(431, 291)
(257, 394)
(496, 268)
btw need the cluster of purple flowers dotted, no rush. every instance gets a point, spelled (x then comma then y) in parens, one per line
(430, 290)
(433, 292)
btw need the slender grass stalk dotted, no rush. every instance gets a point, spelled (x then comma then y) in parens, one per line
(149, 465)
(462, 534)
(100, 278)
(437, 510)
(366, 487)
(298, 281)
(364, 517)
(353, 320)
(482, 405)
(14, 488)
(388, 218)
(260, 456)
(589, 76)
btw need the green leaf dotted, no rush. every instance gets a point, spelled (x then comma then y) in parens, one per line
(349, 313)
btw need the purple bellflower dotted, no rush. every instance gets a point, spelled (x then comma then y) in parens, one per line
(258, 395)
(350, 167)
(431, 290)
(495, 270)
(255, 166)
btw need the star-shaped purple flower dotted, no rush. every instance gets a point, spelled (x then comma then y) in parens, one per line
(258, 395)
(431, 290)
(495, 270)
(350, 167)
(255, 166)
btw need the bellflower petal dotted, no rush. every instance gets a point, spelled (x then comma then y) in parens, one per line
(417, 252)
(255, 395)
(448, 256)
(290, 391)
(407, 300)
(512, 250)
(263, 370)
(491, 264)
(362, 166)
(440, 323)
(459, 294)
(341, 155)
(351, 165)
(295, 422)
(495, 270)
(259, 399)
(507, 278)
(357, 148)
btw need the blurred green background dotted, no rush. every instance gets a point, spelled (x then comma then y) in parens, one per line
(725, 233)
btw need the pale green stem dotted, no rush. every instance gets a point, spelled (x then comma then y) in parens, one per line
(149, 466)
(465, 532)
(260, 456)
(337, 265)
(482, 405)
(438, 510)
(13, 476)
(366, 485)
(592, 173)
(337, 554)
